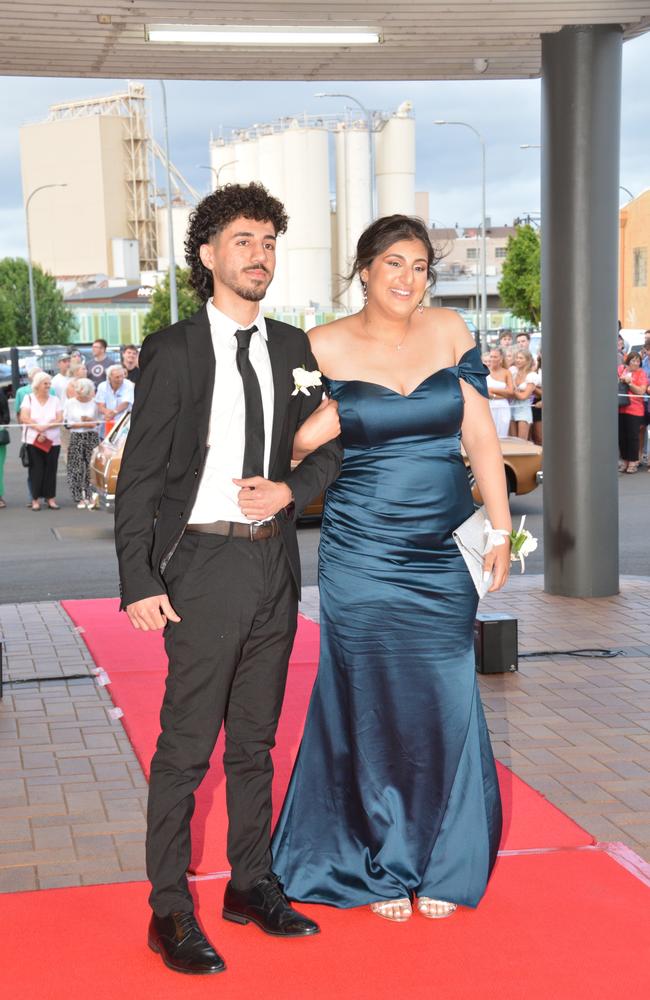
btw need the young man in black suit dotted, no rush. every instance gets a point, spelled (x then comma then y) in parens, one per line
(205, 518)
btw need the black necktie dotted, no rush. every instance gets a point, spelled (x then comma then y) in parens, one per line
(254, 446)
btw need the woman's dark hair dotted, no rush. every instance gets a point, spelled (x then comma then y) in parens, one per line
(633, 354)
(381, 234)
(218, 210)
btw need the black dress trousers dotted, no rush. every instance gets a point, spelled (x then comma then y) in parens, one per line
(228, 662)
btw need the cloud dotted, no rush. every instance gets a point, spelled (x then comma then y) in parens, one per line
(448, 162)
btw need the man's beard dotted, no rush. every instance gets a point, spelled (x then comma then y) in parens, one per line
(250, 294)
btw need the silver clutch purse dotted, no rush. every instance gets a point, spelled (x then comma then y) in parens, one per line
(470, 539)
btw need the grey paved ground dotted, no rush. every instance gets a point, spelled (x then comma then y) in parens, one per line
(72, 794)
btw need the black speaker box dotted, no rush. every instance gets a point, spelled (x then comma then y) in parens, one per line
(495, 644)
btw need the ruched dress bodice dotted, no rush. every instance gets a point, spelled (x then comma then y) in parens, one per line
(394, 791)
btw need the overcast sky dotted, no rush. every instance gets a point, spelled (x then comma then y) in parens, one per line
(448, 166)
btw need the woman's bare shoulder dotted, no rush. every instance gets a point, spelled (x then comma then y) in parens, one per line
(448, 325)
(325, 340)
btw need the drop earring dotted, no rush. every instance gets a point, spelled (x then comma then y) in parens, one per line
(364, 292)
(420, 307)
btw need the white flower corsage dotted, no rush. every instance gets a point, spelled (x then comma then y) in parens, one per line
(522, 543)
(304, 380)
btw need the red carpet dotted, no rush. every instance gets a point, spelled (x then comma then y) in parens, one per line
(135, 663)
(565, 926)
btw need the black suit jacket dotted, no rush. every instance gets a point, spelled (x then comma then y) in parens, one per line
(167, 444)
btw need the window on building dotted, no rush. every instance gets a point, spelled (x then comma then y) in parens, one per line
(472, 253)
(500, 252)
(640, 267)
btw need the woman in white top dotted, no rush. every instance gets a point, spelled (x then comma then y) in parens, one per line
(76, 371)
(42, 414)
(80, 416)
(524, 382)
(499, 383)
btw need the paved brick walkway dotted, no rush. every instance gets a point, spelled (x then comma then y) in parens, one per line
(72, 794)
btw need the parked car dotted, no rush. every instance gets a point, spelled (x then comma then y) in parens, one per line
(28, 357)
(44, 357)
(106, 459)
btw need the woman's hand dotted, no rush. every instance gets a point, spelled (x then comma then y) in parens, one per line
(497, 562)
(322, 426)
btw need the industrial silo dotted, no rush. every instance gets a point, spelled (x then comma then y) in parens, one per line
(307, 202)
(395, 163)
(222, 161)
(271, 175)
(245, 151)
(353, 172)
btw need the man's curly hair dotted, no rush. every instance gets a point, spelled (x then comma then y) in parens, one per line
(218, 210)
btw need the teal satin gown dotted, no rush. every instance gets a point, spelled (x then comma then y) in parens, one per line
(394, 791)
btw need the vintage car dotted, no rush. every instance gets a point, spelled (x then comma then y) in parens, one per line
(522, 461)
(106, 459)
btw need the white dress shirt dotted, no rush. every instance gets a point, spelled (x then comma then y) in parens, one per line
(216, 499)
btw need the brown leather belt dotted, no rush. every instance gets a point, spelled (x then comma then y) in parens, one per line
(235, 529)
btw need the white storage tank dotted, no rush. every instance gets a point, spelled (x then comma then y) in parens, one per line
(246, 155)
(180, 221)
(395, 163)
(222, 158)
(339, 289)
(306, 171)
(271, 175)
(353, 153)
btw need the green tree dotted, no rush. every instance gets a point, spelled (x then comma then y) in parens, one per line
(159, 316)
(56, 323)
(520, 286)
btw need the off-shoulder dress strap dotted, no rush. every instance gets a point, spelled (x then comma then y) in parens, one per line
(472, 370)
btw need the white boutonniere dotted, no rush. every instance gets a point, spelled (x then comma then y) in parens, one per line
(304, 380)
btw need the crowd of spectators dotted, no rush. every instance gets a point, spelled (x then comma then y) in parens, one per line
(515, 390)
(63, 417)
(66, 415)
(515, 387)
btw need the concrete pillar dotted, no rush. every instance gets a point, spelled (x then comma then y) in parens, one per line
(581, 101)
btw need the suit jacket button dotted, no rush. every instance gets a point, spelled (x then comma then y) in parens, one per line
(196, 472)
(181, 514)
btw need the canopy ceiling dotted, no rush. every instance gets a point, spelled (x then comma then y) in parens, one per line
(422, 39)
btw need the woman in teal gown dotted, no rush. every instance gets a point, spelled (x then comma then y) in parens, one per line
(394, 795)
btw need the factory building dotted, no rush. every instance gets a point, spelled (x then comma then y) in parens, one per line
(105, 221)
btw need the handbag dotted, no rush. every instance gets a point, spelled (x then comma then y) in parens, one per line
(624, 392)
(4, 436)
(470, 538)
(43, 445)
(23, 455)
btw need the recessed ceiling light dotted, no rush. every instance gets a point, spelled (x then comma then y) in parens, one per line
(199, 34)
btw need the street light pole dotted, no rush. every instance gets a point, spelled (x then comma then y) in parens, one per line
(32, 295)
(371, 147)
(217, 170)
(483, 222)
(173, 294)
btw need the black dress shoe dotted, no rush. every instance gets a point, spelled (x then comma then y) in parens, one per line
(183, 946)
(267, 906)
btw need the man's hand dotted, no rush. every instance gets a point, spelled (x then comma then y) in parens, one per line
(151, 613)
(259, 498)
